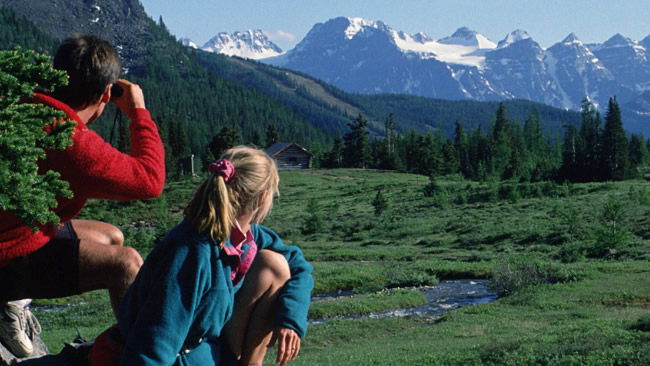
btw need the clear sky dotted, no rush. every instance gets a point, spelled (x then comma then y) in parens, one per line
(286, 22)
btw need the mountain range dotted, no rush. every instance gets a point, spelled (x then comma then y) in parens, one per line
(203, 91)
(369, 57)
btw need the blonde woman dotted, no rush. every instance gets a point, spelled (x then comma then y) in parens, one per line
(220, 288)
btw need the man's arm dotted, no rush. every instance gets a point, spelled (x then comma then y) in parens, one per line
(98, 170)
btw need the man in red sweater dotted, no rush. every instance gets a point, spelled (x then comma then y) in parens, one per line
(80, 255)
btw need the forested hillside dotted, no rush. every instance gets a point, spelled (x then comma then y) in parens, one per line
(195, 96)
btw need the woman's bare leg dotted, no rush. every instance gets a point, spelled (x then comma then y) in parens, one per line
(250, 328)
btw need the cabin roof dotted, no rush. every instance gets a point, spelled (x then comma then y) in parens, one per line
(281, 146)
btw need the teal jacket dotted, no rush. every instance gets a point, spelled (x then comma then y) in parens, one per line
(183, 295)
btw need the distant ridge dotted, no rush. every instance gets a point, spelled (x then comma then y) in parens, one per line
(252, 44)
(370, 57)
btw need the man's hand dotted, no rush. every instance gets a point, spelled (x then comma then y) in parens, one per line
(288, 344)
(131, 98)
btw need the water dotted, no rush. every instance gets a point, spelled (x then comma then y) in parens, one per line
(445, 296)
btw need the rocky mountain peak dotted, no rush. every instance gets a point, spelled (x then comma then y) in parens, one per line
(513, 37)
(253, 44)
(123, 23)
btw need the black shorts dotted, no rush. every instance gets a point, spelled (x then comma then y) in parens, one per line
(51, 271)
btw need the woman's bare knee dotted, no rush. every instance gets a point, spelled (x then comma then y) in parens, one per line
(274, 263)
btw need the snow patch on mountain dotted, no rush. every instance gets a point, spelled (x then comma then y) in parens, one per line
(357, 25)
(465, 47)
(551, 63)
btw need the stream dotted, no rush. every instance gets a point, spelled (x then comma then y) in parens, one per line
(445, 296)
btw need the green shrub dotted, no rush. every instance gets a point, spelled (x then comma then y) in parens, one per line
(313, 222)
(612, 231)
(379, 203)
(514, 274)
(643, 324)
(509, 192)
(571, 252)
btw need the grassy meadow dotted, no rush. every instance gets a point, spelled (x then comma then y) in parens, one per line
(572, 263)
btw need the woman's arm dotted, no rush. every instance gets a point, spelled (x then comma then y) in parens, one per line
(157, 312)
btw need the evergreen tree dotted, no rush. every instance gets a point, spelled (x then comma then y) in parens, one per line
(255, 139)
(501, 143)
(226, 138)
(179, 147)
(450, 163)
(272, 135)
(178, 140)
(170, 162)
(384, 153)
(356, 153)
(479, 151)
(533, 134)
(389, 136)
(313, 222)
(615, 151)
(638, 151)
(379, 203)
(569, 169)
(519, 166)
(26, 130)
(589, 156)
(124, 138)
(462, 150)
(334, 157)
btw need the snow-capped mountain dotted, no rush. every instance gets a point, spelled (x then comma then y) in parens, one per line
(364, 56)
(188, 43)
(253, 44)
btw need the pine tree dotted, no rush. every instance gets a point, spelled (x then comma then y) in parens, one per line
(638, 151)
(334, 157)
(379, 203)
(272, 135)
(178, 140)
(450, 163)
(356, 152)
(226, 138)
(460, 144)
(26, 130)
(615, 151)
(164, 136)
(569, 169)
(389, 137)
(501, 143)
(589, 157)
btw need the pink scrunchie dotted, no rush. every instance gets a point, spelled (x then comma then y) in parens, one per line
(224, 168)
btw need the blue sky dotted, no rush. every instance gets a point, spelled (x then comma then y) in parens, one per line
(288, 21)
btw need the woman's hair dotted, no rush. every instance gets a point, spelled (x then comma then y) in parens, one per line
(216, 203)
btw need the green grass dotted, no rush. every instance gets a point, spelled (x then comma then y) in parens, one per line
(570, 296)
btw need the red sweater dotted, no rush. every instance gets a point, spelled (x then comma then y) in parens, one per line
(94, 169)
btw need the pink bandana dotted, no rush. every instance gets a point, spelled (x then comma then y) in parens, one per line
(240, 265)
(222, 167)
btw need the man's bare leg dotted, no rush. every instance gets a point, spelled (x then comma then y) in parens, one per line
(103, 261)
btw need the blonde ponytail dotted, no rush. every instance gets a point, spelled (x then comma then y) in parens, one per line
(218, 202)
